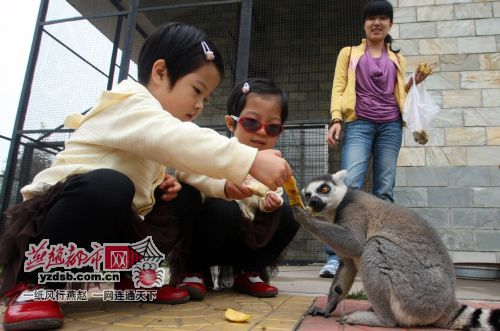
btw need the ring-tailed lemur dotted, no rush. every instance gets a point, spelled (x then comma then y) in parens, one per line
(406, 270)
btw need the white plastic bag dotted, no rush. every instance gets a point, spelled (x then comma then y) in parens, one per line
(418, 112)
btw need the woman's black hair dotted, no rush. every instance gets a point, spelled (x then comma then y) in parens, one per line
(179, 44)
(381, 7)
(238, 99)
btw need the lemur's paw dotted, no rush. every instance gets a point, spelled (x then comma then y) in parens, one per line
(315, 311)
(348, 319)
(344, 320)
(301, 215)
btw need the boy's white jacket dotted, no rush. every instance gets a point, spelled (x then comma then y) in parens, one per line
(128, 131)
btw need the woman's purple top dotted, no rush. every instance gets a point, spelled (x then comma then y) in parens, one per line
(375, 82)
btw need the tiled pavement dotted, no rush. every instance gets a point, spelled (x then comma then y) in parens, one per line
(281, 313)
(299, 288)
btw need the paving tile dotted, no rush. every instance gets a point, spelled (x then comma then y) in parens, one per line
(278, 324)
(104, 319)
(106, 328)
(136, 321)
(163, 313)
(80, 325)
(179, 322)
(228, 327)
(285, 315)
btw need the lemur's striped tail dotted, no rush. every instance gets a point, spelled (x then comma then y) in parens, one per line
(479, 319)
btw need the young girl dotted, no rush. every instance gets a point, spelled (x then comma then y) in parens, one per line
(246, 236)
(109, 184)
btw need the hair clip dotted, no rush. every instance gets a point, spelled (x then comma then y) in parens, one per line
(209, 55)
(246, 88)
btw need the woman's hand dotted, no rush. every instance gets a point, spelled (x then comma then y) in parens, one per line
(421, 76)
(236, 192)
(333, 135)
(272, 201)
(170, 187)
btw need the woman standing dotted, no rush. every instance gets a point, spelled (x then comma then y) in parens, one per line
(368, 95)
(367, 99)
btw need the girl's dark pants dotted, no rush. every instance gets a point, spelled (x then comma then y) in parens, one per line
(96, 207)
(221, 237)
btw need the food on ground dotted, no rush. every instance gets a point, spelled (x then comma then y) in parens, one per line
(236, 316)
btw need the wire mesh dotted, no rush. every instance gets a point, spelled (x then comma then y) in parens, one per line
(220, 23)
(295, 43)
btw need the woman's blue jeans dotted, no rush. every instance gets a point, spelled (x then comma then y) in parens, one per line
(365, 139)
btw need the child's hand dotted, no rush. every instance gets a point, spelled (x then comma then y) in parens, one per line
(170, 187)
(236, 192)
(270, 169)
(272, 201)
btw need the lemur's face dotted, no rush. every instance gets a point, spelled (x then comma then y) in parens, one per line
(323, 194)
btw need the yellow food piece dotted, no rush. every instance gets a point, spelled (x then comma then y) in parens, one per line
(424, 68)
(236, 316)
(257, 187)
(291, 189)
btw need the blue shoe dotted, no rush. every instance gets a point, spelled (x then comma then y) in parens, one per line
(330, 268)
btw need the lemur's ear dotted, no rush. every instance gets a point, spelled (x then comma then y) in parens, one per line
(339, 176)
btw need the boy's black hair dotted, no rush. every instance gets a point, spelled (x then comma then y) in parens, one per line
(237, 99)
(179, 44)
(380, 7)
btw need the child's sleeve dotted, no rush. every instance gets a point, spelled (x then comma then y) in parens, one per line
(211, 187)
(141, 127)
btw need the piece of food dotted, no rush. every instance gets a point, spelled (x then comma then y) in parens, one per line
(257, 187)
(424, 68)
(293, 193)
(421, 137)
(236, 316)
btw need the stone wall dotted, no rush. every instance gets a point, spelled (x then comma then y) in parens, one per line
(454, 180)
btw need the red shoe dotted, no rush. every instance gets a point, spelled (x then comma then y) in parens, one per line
(251, 283)
(23, 313)
(195, 285)
(166, 294)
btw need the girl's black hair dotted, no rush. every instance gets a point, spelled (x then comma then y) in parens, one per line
(381, 7)
(237, 99)
(179, 44)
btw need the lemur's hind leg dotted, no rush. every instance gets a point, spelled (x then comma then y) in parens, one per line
(376, 276)
(341, 285)
(366, 318)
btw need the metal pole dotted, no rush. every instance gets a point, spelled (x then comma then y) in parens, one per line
(129, 39)
(10, 168)
(116, 42)
(244, 40)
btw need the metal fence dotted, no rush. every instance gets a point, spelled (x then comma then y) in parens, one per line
(82, 47)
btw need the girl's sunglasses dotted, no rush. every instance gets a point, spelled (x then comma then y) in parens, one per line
(252, 125)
